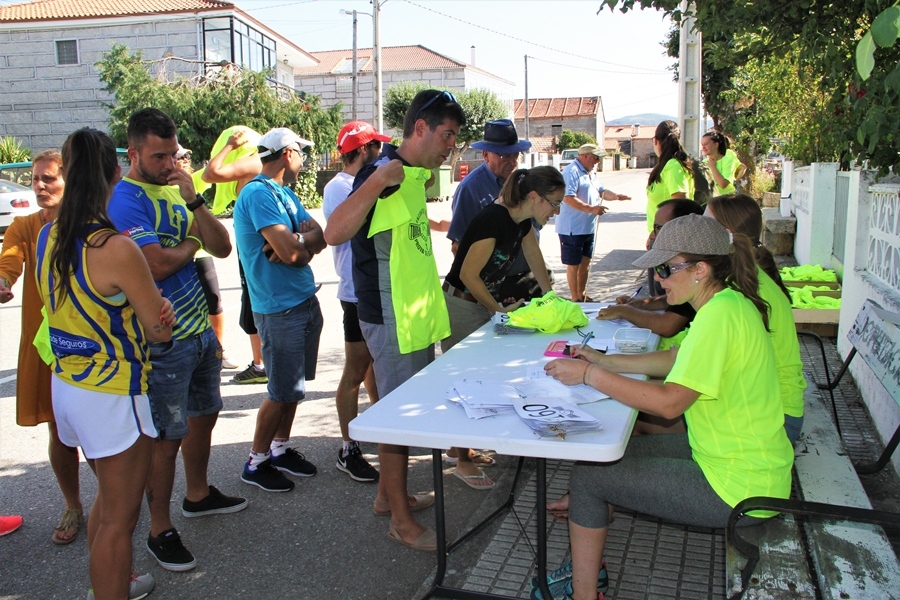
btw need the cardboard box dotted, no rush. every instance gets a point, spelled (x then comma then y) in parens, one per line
(834, 288)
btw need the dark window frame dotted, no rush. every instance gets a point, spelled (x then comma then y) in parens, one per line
(66, 52)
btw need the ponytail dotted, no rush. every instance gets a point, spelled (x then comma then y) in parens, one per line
(668, 136)
(741, 213)
(543, 180)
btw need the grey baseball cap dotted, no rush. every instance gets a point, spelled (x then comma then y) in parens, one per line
(690, 234)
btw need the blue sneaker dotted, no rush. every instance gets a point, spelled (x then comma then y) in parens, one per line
(295, 463)
(266, 477)
(560, 583)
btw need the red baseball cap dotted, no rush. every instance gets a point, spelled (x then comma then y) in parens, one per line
(357, 134)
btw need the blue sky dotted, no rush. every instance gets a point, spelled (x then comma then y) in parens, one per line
(573, 51)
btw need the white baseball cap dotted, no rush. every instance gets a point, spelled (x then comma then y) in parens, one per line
(279, 138)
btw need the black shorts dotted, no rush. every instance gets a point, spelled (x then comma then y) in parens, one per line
(352, 332)
(209, 281)
(245, 320)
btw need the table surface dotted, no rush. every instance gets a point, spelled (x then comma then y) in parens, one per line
(419, 414)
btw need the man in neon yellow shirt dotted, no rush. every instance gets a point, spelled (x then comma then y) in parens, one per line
(401, 305)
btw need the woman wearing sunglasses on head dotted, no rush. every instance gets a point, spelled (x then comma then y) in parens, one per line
(722, 378)
(483, 259)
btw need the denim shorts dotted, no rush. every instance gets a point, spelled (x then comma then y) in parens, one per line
(184, 382)
(290, 348)
(574, 248)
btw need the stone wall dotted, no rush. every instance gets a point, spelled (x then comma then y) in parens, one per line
(42, 102)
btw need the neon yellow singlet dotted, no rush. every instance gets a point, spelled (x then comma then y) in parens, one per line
(727, 166)
(415, 284)
(783, 333)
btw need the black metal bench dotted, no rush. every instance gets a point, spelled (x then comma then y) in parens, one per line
(837, 549)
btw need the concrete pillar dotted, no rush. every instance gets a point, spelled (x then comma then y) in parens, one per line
(814, 210)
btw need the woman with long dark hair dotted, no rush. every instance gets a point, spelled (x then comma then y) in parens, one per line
(722, 379)
(741, 214)
(485, 254)
(103, 309)
(723, 164)
(673, 175)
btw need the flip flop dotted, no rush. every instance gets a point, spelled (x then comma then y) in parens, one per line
(470, 480)
(426, 542)
(72, 519)
(479, 458)
(420, 502)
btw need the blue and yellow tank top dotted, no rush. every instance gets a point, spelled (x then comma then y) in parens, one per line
(97, 341)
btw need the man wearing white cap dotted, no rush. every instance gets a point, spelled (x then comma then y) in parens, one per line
(577, 217)
(276, 240)
(359, 144)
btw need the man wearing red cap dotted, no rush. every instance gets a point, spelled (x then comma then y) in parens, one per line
(359, 144)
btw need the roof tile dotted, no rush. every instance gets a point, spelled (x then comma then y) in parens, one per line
(555, 108)
(394, 58)
(49, 10)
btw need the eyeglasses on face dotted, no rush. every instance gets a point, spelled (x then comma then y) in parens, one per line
(446, 95)
(553, 205)
(665, 271)
(507, 157)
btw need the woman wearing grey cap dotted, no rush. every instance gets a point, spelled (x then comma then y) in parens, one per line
(722, 378)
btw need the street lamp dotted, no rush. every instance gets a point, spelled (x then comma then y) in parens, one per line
(635, 130)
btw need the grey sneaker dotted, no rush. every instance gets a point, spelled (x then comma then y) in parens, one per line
(141, 586)
(251, 375)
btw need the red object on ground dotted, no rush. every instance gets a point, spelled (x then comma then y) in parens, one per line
(463, 171)
(9, 524)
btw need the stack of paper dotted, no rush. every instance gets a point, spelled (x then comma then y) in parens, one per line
(554, 417)
(483, 399)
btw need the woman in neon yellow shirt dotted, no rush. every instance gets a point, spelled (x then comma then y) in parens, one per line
(741, 214)
(672, 177)
(724, 165)
(723, 380)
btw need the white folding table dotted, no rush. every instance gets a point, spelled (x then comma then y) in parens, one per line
(419, 414)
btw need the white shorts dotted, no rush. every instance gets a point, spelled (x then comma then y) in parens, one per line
(102, 424)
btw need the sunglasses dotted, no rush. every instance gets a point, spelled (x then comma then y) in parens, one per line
(553, 205)
(665, 271)
(446, 95)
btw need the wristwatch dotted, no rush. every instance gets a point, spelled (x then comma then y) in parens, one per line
(300, 238)
(197, 203)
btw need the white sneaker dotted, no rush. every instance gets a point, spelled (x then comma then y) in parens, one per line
(228, 364)
(141, 586)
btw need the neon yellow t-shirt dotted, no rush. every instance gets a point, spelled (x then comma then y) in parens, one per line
(783, 333)
(736, 427)
(226, 192)
(675, 179)
(727, 166)
(415, 284)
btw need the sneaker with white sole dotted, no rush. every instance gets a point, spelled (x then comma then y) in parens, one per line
(216, 503)
(169, 552)
(295, 463)
(228, 363)
(354, 465)
(267, 477)
(251, 375)
(560, 582)
(140, 587)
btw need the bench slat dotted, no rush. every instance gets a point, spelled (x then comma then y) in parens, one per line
(853, 560)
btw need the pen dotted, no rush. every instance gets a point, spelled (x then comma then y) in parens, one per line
(587, 338)
(636, 292)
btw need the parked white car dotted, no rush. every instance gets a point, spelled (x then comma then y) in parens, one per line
(15, 200)
(567, 157)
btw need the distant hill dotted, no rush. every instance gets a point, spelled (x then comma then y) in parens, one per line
(642, 119)
(650, 119)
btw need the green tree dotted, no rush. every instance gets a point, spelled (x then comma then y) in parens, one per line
(204, 106)
(573, 139)
(479, 106)
(819, 37)
(11, 151)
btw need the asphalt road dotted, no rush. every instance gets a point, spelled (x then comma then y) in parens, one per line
(319, 541)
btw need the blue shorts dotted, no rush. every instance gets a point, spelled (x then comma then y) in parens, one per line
(574, 248)
(184, 382)
(290, 348)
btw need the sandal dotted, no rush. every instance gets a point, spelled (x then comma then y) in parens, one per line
(71, 521)
(426, 542)
(418, 502)
(476, 482)
(479, 458)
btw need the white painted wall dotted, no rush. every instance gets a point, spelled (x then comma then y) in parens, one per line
(813, 205)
